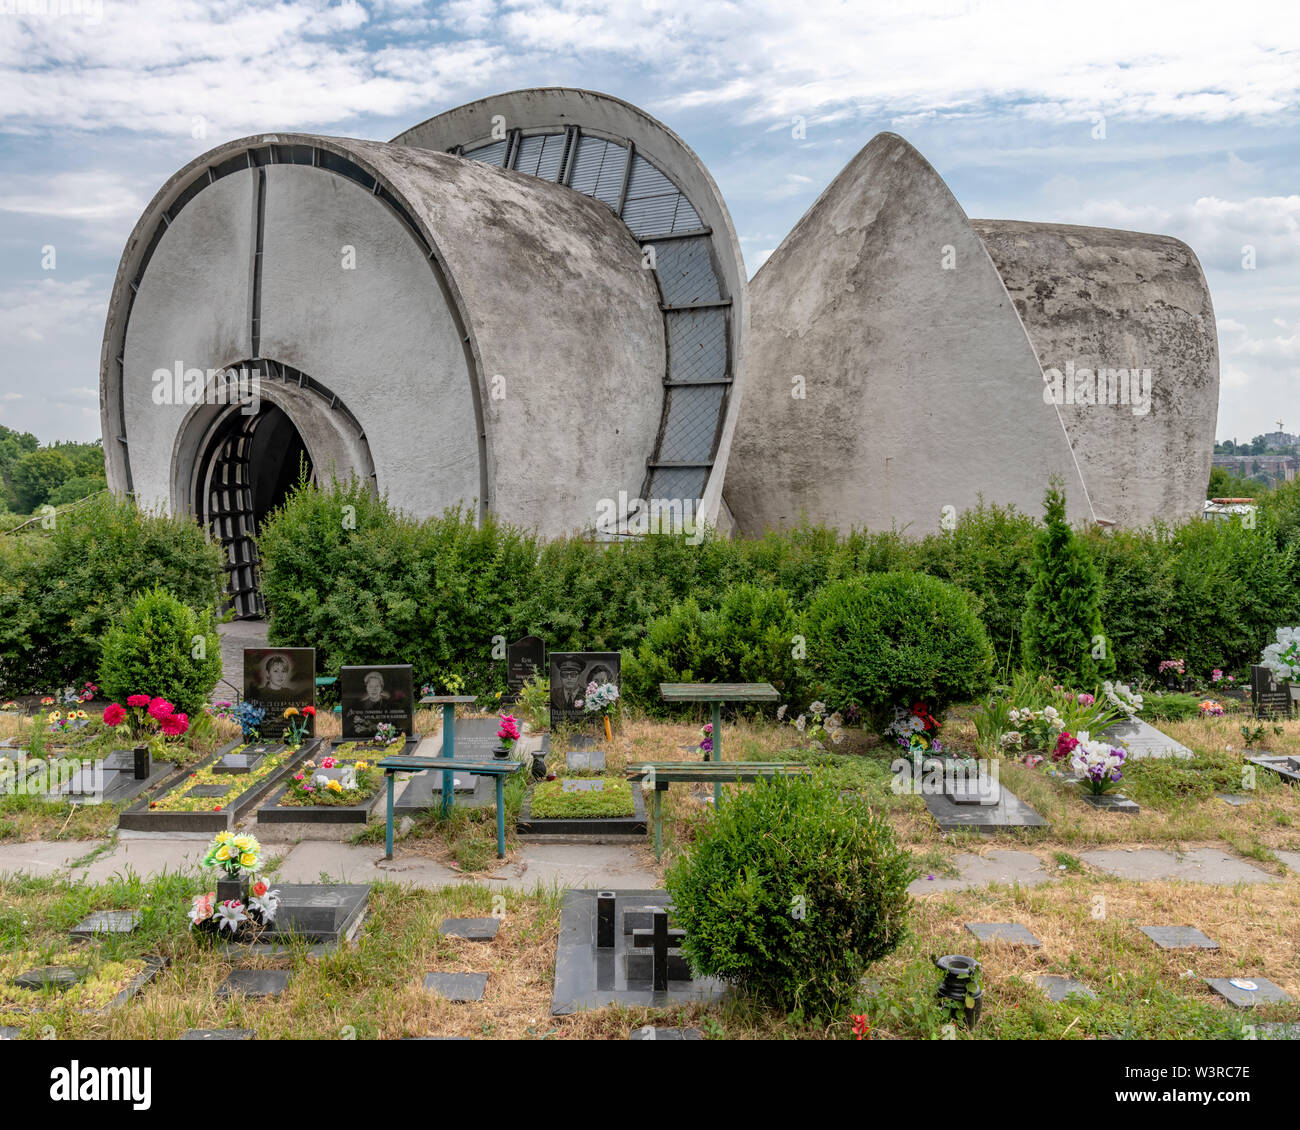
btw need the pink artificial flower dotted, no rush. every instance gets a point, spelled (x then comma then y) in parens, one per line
(1085, 699)
(174, 725)
(160, 708)
(1034, 760)
(297, 776)
(1065, 745)
(137, 700)
(114, 715)
(328, 763)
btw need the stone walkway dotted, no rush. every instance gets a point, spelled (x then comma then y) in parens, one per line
(236, 636)
(536, 865)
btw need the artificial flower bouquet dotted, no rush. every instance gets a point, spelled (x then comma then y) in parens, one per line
(1211, 709)
(332, 782)
(508, 731)
(1097, 763)
(915, 729)
(298, 725)
(1123, 698)
(601, 700)
(148, 718)
(1282, 657)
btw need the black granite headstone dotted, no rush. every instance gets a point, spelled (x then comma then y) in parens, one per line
(374, 695)
(1269, 696)
(276, 678)
(459, 987)
(571, 672)
(524, 658)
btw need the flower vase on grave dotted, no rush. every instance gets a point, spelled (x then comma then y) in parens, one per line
(539, 765)
(229, 888)
(501, 752)
(961, 988)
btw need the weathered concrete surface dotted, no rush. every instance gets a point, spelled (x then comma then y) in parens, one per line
(612, 866)
(235, 636)
(564, 358)
(41, 858)
(146, 857)
(922, 388)
(1005, 867)
(1118, 300)
(1143, 740)
(538, 110)
(1203, 865)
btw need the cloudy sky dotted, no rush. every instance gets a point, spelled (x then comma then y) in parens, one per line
(101, 100)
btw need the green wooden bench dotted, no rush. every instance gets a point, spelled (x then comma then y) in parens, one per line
(715, 694)
(661, 774)
(448, 702)
(500, 769)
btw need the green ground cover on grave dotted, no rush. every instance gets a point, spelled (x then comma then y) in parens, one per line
(104, 981)
(550, 801)
(361, 756)
(179, 800)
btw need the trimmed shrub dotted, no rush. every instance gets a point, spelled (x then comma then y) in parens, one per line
(1062, 628)
(889, 638)
(61, 590)
(790, 892)
(161, 647)
(749, 638)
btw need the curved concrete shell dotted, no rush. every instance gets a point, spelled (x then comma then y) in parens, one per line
(649, 177)
(890, 377)
(457, 333)
(1124, 329)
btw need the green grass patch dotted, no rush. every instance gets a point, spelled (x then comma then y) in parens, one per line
(550, 801)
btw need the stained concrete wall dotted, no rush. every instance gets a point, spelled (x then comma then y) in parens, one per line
(922, 388)
(1093, 299)
(546, 285)
(603, 115)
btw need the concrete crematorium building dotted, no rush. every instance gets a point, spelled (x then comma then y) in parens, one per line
(536, 305)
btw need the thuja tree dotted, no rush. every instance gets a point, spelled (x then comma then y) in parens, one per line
(1061, 633)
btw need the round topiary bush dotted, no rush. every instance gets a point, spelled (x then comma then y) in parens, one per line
(890, 638)
(161, 647)
(790, 893)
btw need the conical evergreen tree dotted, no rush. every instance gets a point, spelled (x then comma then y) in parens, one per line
(1061, 633)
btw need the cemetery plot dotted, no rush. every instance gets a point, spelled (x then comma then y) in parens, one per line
(1286, 767)
(591, 806)
(971, 798)
(475, 740)
(619, 947)
(321, 917)
(115, 777)
(35, 982)
(212, 797)
(342, 787)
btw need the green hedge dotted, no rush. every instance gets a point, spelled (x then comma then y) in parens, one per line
(62, 589)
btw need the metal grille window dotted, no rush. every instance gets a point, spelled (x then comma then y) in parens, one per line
(692, 422)
(697, 345)
(492, 154)
(540, 155)
(685, 269)
(598, 170)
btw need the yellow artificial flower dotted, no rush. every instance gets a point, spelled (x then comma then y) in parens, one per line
(248, 859)
(225, 837)
(334, 787)
(360, 765)
(224, 852)
(290, 713)
(55, 715)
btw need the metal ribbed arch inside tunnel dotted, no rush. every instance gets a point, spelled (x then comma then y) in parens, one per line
(678, 247)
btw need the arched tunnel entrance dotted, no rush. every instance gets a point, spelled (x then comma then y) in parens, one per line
(248, 468)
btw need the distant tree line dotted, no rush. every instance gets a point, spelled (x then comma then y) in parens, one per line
(32, 476)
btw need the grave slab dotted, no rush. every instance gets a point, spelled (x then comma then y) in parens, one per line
(1004, 933)
(255, 983)
(1290, 858)
(10, 1033)
(107, 922)
(471, 929)
(61, 977)
(1057, 988)
(1288, 768)
(457, 987)
(957, 811)
(1235, 799)
(1265, 992)
(1203, 865)
(1179, 938)
(220, 1034)
(652, 1033)
(1112, 802)
(1278, 1031)
(1141, 739)
(581, 760)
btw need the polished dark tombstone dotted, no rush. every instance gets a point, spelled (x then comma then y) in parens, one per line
(277, 678)
(608, 946)
(255, 983)
(470, 929)
(61, 977)
(321, 916)
(1269, 696)
(571, 672)
(374, 695)
(238, 763)
(1007, 933)
(460, 988)
(1179, 938)
(524, 659)
(970, 798)
(476, 738)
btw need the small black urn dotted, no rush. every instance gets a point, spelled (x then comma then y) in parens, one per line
(500, 753)
(539, 765)
(959, 973)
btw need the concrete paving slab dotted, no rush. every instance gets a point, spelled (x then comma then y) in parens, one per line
(361, 863)
(146, 858)
(1290, 858)
(604, 866)
(1204, 865)
(1006, 867)
(42, 858)
(1058, 988)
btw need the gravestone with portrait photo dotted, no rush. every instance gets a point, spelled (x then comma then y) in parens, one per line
(524, 659)
(374, 695)
(571, 672)
(277, 678)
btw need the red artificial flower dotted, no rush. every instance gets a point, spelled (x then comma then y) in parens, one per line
(1065, 745)
(113, 715)
(174, 725)
(160, 708)
(216, 808)
(861, 1027)
(137, 700)
(310, 711)
(154, 803)
(260, 888)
